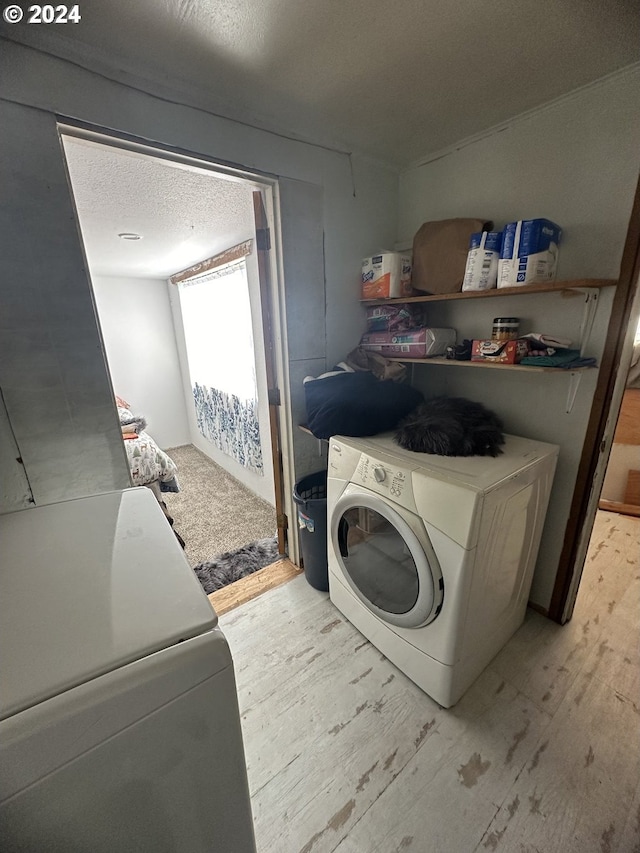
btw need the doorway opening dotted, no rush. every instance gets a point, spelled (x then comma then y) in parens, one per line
(607, 589)
(621, 486)
(598, 642)
(187, 333)
(612, 379)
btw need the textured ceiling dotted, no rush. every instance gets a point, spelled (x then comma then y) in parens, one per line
(183, 216)
(394, 79)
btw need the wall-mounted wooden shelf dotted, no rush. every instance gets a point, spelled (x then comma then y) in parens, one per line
(555, 287)
(527, 368)
(574, 373)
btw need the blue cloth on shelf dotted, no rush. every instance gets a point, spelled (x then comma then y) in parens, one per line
(579, 362)
(568, 359)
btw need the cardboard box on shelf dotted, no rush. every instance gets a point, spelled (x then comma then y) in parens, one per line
(386, 276)
(499, 352)
(412, 343)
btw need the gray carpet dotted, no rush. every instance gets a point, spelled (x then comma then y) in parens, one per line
(213, 512)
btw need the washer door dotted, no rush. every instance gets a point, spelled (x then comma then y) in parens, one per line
(389, 569)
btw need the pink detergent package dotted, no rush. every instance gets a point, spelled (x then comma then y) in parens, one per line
(412, 343)
(395, 318)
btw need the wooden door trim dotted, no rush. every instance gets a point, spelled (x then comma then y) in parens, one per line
(263, 247)
(235, 253)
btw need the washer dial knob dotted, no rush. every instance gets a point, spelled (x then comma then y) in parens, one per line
(379, 474)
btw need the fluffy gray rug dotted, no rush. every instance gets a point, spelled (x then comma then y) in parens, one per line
(233, 565)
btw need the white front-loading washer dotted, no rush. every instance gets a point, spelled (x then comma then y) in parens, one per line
(432, 557)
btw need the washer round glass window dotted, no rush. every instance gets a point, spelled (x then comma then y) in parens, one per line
(384, 562)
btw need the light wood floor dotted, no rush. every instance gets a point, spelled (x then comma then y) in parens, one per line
(541, 755)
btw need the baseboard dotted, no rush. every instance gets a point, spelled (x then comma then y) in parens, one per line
(538, 608)
(619, 507)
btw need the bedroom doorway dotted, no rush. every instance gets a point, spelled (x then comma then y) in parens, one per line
(145, 218)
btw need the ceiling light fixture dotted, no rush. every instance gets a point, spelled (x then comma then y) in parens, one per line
(129, 235)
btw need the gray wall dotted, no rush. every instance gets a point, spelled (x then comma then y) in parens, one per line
(14, 487)
(576, 162)
(44, 283)
(52, 369)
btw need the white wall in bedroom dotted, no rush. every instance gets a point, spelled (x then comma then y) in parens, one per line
(137, 329)
(574, 161)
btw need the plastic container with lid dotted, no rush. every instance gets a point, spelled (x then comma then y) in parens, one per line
(505, 329)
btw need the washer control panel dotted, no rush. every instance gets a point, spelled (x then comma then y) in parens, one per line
(381, 477)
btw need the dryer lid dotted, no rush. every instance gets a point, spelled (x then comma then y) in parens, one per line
(481, 473)
(87, 586)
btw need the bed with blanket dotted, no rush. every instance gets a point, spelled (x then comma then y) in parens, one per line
(149, 465)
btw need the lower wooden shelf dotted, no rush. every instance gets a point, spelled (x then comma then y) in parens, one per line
(574, 374)
(528, 368)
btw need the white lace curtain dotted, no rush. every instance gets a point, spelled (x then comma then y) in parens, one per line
(216, 315)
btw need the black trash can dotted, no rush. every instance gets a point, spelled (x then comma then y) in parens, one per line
(310, 494)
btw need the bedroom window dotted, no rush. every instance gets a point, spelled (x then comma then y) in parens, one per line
(216, 314)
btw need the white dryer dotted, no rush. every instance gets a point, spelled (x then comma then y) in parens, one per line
(431, 557)
(119, 721)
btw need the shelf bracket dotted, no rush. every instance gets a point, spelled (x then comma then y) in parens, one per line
(574, 382)
(588, 316)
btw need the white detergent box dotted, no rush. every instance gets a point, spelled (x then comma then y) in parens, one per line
(386, 276)
(529, 252)
(481, 272)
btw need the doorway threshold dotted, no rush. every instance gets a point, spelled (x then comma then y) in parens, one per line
(237, 593)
